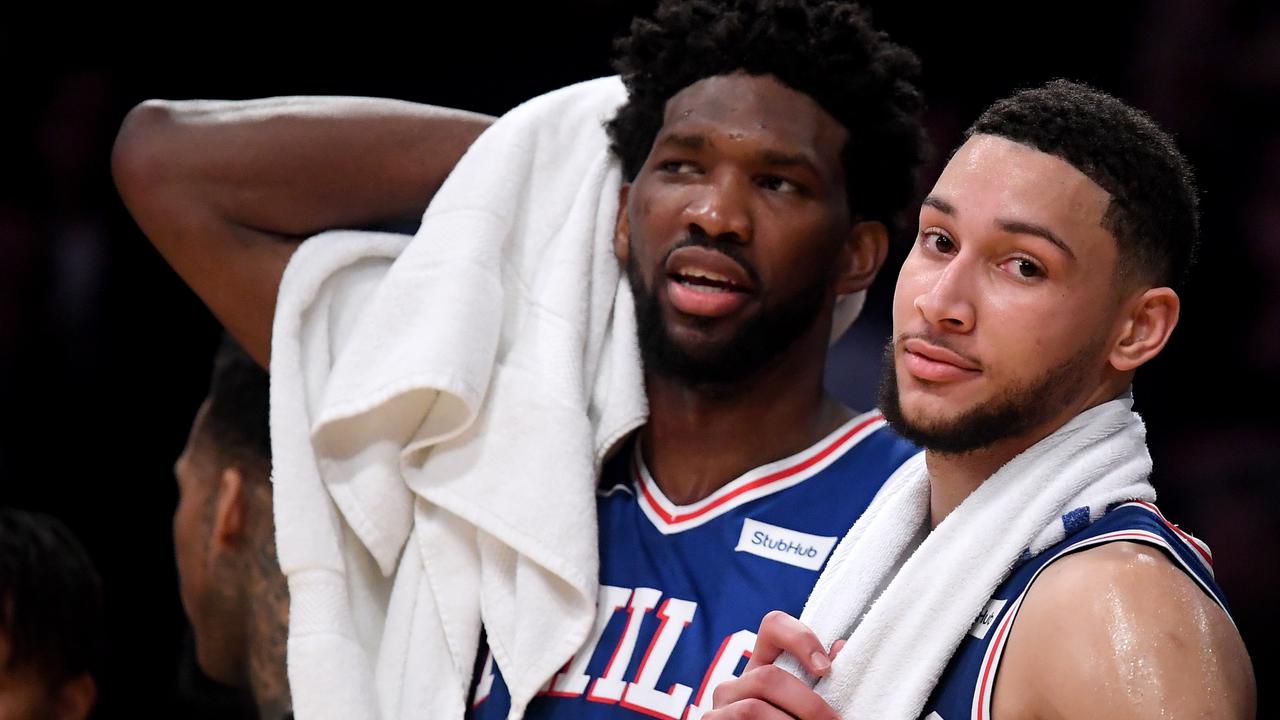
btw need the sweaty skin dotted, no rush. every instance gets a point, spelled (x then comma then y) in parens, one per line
(753, 167)
(1009, 237)
(1119, 632)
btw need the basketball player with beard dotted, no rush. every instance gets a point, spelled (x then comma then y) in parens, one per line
(231, 585)
(766, 148)
(1045, 272)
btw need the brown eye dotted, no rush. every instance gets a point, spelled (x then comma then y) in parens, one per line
(678, 167)
(777, 184)
(1024, 268)
(943, 244)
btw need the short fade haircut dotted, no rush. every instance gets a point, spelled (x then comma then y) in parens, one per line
(1153, 213)
(825, 49)
(50, 598)
(236, 418)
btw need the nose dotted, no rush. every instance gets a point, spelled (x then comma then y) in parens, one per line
(720, 208)
(946, 303)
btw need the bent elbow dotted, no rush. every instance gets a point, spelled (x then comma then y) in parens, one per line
(138, 157)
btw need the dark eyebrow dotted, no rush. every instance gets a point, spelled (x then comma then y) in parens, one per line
(1026, 228)
(688, 142)
(934, 201)
(778, 158)
(1010, 226)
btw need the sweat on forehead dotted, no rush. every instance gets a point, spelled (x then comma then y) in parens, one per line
(725, 97)
(824, 49)
(732, 108)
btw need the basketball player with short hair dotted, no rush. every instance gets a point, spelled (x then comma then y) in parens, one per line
(231, 585)
(1043, 275)
(766, 147)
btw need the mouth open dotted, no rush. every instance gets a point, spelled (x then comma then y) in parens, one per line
(706, 283)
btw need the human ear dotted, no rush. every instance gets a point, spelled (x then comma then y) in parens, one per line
(229, 510)
(622, 227)
(863, 254)
(76, 698)
(1144, 328)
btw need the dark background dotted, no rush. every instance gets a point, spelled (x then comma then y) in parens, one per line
(104, 353)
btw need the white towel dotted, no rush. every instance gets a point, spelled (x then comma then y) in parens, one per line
(905, 597)
(438, 424)
(440, 410)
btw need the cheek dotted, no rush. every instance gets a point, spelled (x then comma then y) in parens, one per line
(183, 520)
(909, 286)
(22, 696)
(1036, 333)
(653, 214)
(802, 249)
(901, 306)
(187, 549)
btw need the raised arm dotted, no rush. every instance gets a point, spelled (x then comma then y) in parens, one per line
(226, 190)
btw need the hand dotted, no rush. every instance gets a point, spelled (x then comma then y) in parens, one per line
(766, 691)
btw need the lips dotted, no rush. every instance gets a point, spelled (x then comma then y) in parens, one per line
(706, 283)
(696, 265)
(934, 363)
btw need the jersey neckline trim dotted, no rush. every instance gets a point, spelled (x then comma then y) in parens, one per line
(764, 480)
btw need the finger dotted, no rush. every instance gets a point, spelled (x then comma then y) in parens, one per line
(777, 687)
(779, 632)
(836, 647)
(749, 709)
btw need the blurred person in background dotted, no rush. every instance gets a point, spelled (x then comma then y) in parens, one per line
(50, 620)
(231, 585)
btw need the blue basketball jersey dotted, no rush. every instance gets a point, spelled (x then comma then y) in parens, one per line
(683, 588)
(966, 687)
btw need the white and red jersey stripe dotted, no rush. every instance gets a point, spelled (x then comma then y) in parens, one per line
(967, 686)
(669, 517)
(684, 587)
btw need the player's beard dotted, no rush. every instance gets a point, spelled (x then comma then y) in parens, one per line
(1016, 410)
(757, 342)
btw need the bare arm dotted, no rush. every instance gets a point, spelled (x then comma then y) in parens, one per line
(225, 190)
(1119, 632)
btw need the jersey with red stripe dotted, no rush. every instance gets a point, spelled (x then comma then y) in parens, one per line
(683, 588)
(966, 687)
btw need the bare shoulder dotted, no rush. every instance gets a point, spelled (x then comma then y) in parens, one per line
(1119, 631)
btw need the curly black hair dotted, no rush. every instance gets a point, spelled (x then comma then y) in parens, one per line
(1153, 212)
(825, 49)
(50, 598)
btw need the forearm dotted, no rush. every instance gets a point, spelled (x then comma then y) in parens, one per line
(225, 189)
(294, 166)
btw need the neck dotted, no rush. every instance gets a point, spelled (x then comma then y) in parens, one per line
(268, 634)
(952, 477)
(700, 438)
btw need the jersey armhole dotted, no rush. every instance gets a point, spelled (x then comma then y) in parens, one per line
(990, 669)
